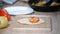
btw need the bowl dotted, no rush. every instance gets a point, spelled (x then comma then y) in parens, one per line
(45, 8)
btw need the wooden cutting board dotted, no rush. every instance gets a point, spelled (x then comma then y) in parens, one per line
(39, 28)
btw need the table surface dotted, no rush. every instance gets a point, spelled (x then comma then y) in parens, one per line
(55, 20)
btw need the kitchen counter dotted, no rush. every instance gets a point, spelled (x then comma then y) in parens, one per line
(55, 20)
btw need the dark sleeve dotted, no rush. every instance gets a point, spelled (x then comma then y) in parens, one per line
(57, 1)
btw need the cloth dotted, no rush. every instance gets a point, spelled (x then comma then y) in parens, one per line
(9, 1)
